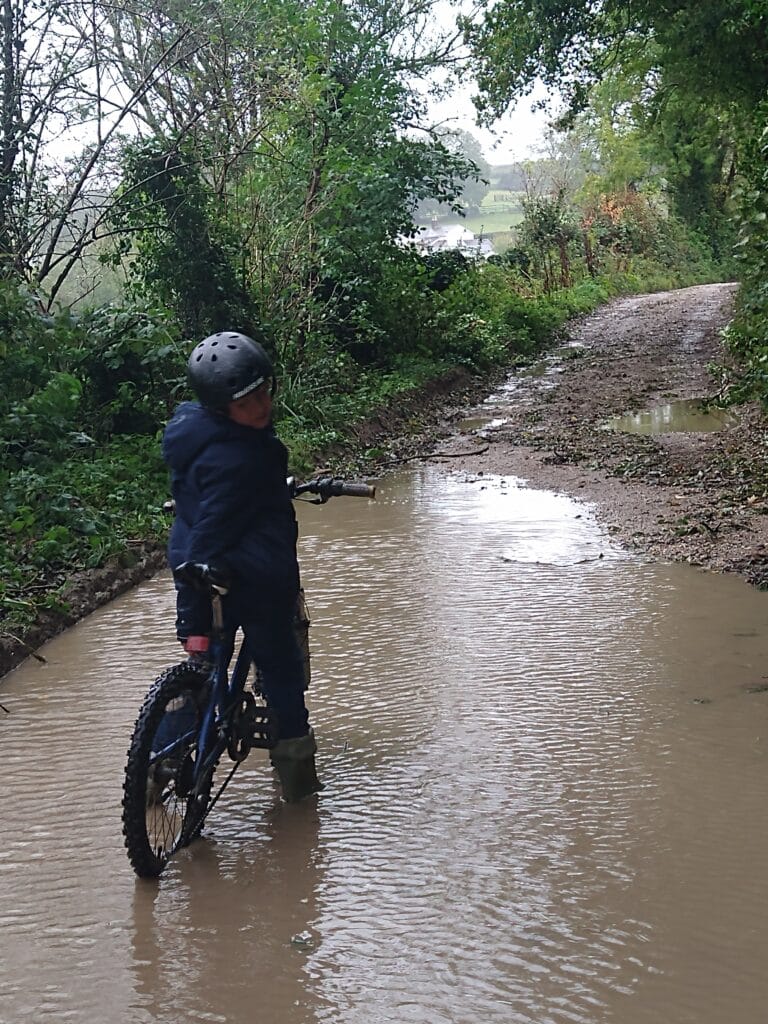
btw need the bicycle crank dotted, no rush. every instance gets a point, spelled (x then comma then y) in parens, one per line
(252, 725)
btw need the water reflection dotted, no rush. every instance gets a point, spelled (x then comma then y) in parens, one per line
(684, 416)
(229, 939)
(544, 764)
(481, 425)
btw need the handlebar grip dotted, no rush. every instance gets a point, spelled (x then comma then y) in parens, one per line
(358, 490)
(326, 487)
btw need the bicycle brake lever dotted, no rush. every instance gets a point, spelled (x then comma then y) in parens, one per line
(204, 577)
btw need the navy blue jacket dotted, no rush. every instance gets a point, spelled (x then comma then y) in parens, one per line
(233, 511)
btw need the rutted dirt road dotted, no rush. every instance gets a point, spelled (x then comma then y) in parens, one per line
(698, 496)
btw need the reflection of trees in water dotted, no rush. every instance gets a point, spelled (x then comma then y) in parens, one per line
(214, 935)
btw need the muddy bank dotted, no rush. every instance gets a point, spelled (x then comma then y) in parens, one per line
(85, 593)
(699, 496)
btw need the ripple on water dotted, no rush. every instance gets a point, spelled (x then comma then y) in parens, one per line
(526, 818)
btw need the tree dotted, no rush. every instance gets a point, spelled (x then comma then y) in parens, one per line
(472, 169)
(549, 226)
(44, 79)
(256, 90)
(181, 251)
(665, 92)
(714, 49)
(286, 140)
(475, 184)
(64, 107)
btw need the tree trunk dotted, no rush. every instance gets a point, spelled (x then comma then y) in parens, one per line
(9, 135)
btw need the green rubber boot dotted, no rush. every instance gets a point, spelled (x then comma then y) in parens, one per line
(294, 760)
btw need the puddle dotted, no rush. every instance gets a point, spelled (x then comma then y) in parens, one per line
(545, 801)
(481, 424)
(683, 416)
(537, 369)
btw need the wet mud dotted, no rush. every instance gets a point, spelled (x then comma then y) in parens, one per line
(691, 494)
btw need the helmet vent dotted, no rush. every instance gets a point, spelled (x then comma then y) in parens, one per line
(214, 357)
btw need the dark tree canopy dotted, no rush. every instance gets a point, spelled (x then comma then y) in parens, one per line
(714, 49)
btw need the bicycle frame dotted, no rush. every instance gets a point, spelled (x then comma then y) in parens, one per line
(221, 690)
(195, 712)
(216, 732)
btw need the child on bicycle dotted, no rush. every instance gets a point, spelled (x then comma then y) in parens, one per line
(234, 514)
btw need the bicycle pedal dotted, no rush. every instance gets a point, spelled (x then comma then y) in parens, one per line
(264, 724)
(253, 725)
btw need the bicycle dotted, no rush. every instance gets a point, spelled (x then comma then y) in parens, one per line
(194, 713)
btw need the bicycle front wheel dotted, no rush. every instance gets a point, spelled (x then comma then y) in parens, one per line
(165, 795)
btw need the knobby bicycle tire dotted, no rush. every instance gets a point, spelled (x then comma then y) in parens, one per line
(160, 812)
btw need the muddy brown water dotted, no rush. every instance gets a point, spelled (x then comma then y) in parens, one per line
(546, 768)
(684, 415)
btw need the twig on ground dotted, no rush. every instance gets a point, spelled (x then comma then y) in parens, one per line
(438, 455)
(24, 644)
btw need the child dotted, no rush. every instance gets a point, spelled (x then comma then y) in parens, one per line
(234, 514)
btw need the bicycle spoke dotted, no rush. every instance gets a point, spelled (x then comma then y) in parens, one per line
(164, 807)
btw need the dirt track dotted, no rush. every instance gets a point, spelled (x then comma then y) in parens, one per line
(697, 497)
(685, 496)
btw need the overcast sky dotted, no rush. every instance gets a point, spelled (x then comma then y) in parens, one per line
(517, 136)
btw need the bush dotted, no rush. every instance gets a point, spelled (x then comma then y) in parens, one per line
(74, 515)
(747, 336)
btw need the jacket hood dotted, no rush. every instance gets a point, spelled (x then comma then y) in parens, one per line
(192, 428)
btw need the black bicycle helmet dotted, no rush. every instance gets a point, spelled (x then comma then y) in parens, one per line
(227, 366)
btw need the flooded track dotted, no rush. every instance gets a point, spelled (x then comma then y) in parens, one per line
(546, 768)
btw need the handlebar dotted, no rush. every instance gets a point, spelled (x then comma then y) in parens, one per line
(214, 580)
(326, 487)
